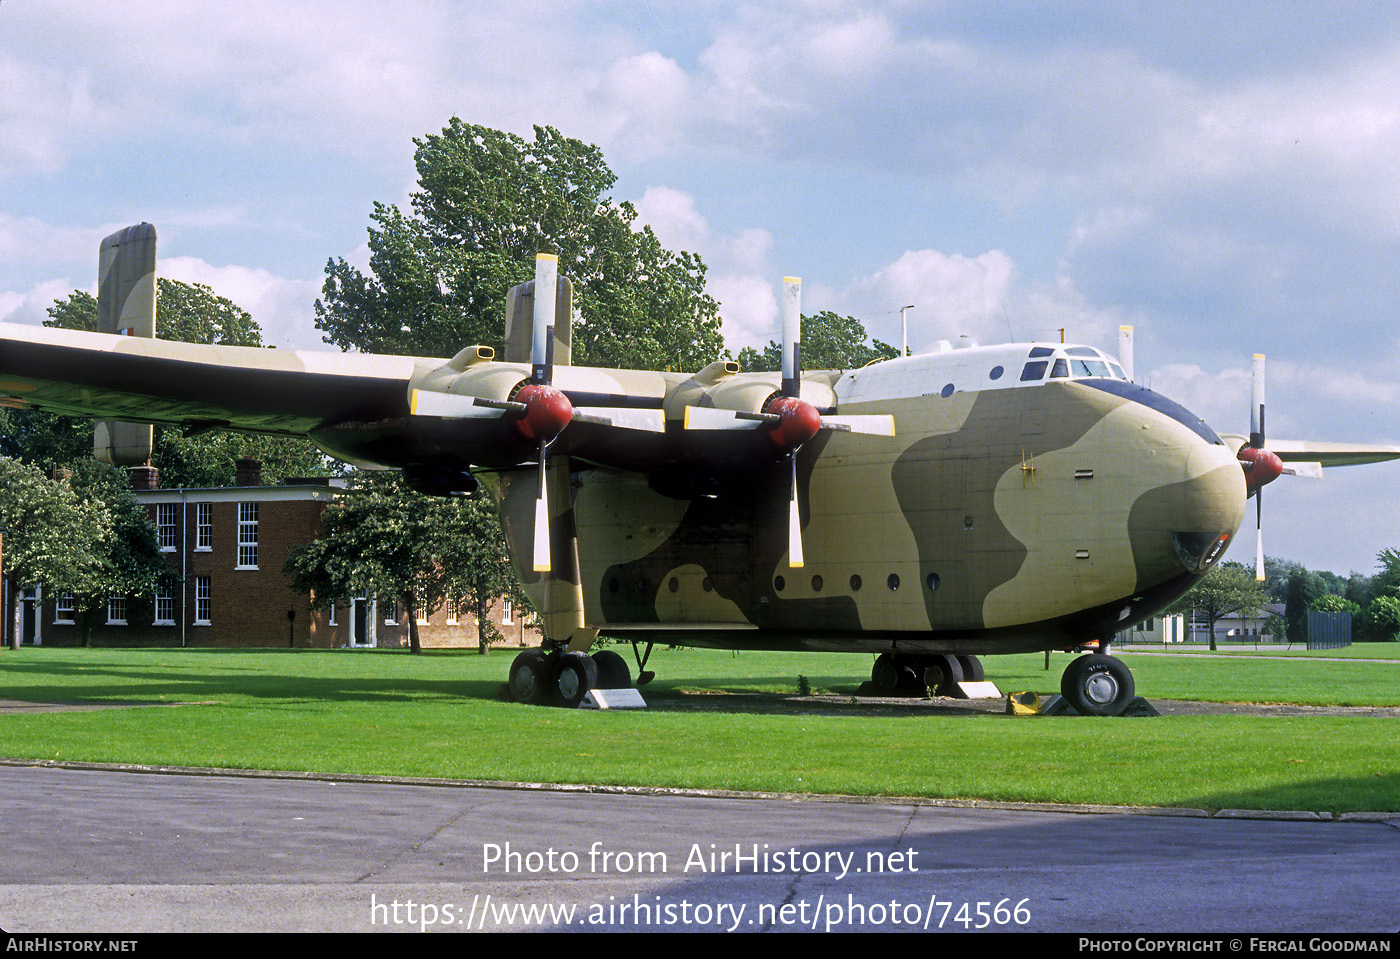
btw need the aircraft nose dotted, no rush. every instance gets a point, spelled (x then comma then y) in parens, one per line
(1182, 523)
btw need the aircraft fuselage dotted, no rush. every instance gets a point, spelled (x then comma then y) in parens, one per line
(1000, 518)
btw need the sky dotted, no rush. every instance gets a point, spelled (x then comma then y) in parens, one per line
(1225, 178)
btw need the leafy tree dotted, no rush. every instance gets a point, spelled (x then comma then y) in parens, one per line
(1229, 588)
(829, 342)
(186, 312)
(1304, 588)
(1332, 603)
(488, 201)
(84, 535)
(1381, 620)
(383, 537)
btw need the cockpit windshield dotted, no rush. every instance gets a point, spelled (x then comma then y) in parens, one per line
(1071, 362)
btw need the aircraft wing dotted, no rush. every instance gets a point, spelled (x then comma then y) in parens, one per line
(193, 385)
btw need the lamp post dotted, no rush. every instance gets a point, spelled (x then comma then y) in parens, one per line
(904, 329)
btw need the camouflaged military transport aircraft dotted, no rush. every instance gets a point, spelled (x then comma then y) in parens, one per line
(928, 509)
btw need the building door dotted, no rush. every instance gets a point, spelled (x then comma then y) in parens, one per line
(30, 604)
(361, 621)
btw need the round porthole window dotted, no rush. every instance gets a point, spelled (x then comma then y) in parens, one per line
(997, 371)
(779, 583)
(933, 581)
(893, 581)
(947, 391)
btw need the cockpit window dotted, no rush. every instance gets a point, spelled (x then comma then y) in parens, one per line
(1117, 371)
(1061, 368)
(1034, 370)
(1082, 351)
(1089, 367)
(1041, 351)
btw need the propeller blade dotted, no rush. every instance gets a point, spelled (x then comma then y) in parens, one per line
(457, 406)
(1259, 537)
(873, 424)
(540, 548)
(542, 329)
(792, 335)
(651, 421)
(1305, 470)
(709, 418)
(794, 521)
(1256, 406)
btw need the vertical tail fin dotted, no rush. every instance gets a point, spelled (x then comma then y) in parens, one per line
(126, 304)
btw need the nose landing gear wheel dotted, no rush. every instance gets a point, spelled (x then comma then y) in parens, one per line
(1097, 684)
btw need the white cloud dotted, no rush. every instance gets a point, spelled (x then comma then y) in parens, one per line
(32, 305)
(282, 307)
(952, 295)
(673, 217)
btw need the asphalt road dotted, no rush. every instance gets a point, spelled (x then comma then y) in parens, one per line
(103, 851)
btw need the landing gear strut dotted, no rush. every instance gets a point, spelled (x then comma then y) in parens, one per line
(549, 676)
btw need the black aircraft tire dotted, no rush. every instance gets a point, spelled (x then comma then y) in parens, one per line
(885, 674)
(932, 675)
(972, 669)
(529, 677)
(952, 675)
(612, 670)
(1097, 684)
(574, 675)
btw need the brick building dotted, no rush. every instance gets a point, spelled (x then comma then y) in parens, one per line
(228, 546)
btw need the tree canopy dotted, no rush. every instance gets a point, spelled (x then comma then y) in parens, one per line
(488, 201)
(1228, 588)
(83, 534)
(829, 342)
(424, 551)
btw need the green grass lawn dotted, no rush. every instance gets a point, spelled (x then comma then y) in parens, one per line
(716, 723)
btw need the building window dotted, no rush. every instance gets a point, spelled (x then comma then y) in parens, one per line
(453, 604)
(203, 526)
(201, 600)
(165, 526)
(165, 609)
(421, 611)
(65, 609)
(247, 535)
(391, 613)
(116, 610)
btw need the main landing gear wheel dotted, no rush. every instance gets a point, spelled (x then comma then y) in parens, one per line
(887, 675)
(612, 670)
(574, 675)
(529, 677)
(942, 673)
(1097, 684)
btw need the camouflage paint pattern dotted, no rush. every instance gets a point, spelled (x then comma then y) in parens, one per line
(995, 520)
